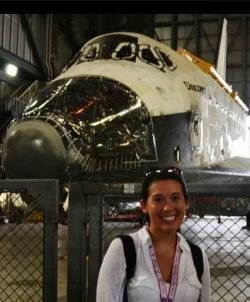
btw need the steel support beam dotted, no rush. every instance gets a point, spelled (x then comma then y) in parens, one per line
(32, 42)
(77, 221)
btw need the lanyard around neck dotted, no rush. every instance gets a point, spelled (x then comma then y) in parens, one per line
(167, 295)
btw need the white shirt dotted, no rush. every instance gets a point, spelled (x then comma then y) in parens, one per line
(143, 287)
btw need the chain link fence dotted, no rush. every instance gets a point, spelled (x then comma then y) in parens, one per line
(21, 249)
(28, 240)
(227, 246)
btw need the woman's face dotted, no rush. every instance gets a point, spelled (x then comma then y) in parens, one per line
(166, 205)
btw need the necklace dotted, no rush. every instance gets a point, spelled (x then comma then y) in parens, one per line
(165, 294)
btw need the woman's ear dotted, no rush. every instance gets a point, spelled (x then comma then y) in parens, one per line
(143, 206)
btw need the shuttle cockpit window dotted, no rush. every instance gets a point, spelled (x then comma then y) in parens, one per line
(91, 52)
(124, 50)
(148, 56)
(125, 47)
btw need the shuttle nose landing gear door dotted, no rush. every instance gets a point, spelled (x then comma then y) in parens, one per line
(196, 137)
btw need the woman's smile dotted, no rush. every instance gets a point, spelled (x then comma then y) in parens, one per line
(168, 218)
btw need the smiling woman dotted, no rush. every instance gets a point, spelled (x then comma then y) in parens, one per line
(164, 269)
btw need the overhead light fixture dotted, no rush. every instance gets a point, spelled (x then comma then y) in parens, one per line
(11, 70)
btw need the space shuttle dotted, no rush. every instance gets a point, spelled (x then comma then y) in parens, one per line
(124, 104)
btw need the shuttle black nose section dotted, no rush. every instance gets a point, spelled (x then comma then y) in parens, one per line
(33, 149)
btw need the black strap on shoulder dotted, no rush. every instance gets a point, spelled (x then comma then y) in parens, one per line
(130, 257)
(197, 258)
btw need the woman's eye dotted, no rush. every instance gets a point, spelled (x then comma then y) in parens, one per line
(158, 199)
(176, 198)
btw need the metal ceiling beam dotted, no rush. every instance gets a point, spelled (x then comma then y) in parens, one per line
(233, 189)
(32, 42)
(194, 188)
(174, 33)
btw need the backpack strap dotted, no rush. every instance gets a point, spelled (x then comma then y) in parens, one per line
(197, 258)
(130, 257)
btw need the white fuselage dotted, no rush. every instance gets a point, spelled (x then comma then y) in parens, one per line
(218, 128)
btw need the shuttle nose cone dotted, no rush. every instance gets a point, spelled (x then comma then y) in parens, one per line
(33, 149)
